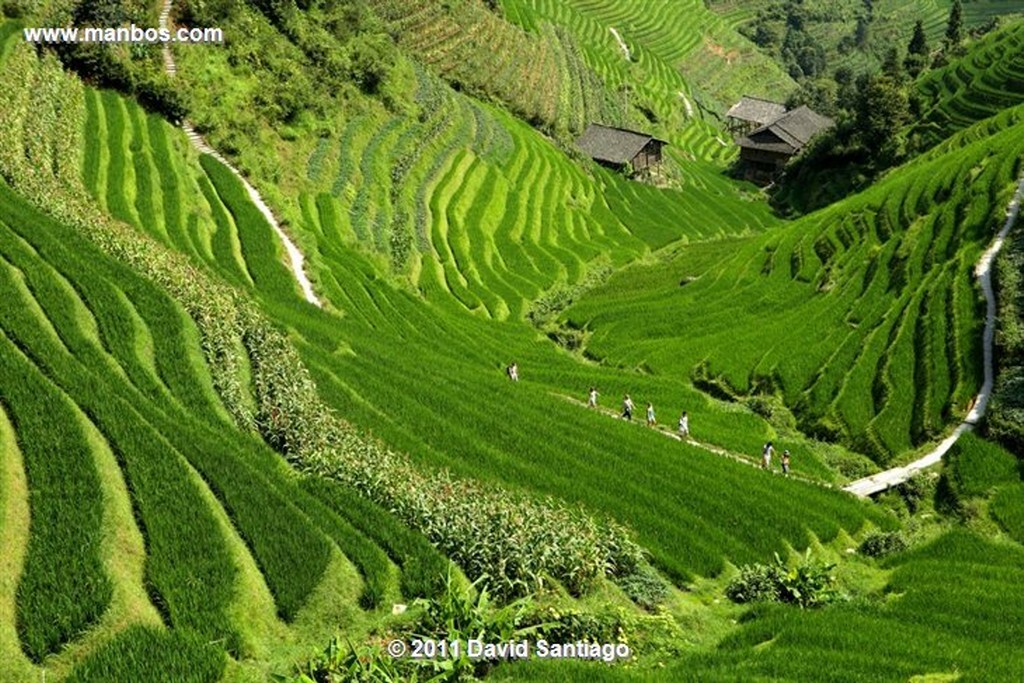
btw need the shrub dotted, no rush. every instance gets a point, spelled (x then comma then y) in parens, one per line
(882, 543)
(809, 584)
(645, 587)
(917, 489)
(756, 583)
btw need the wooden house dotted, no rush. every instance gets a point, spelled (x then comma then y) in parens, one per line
(616, 147)
(766, 150)
(750, 113)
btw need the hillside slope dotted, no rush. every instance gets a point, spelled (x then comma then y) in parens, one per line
(839, 312)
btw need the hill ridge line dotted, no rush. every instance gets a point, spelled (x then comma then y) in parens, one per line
(295, 257)
(877, 483)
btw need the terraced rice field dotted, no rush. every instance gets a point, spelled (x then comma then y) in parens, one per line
(541, 78)
(449, 202)
(693, 41)
(471, 422)
(989, 80)
(233, 548)
(842, 311)
(175, 540)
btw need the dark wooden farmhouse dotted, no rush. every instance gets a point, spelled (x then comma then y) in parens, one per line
(616, 147)
(751, 113)
(766, 150)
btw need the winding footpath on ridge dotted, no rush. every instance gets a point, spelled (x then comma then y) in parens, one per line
(983, 270)
(295, 258)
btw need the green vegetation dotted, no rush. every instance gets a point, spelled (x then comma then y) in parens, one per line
(810, 583)
(946, 614)
(289, 474)
(835, 312)
(148, 654)
(1006, 415)
(63, 589)
(422, 566)
(976, 466)
(884, 543)
(1008, 509)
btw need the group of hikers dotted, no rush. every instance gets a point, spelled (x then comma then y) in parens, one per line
(766, 458)
(684, 428)
(767, 452)
(628, 407)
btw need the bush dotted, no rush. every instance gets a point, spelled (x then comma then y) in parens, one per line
(809, 584)
(644, 587)
(371, 57)
(756, 583)
(882, 543)
(917, 489)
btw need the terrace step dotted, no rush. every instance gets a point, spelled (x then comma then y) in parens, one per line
(883, 481)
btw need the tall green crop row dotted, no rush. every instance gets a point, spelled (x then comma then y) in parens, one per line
(423, 567)
(290, 551)
(189, 574)
(1008, 509)
(63, 589)
(146, 654)
(53, 180)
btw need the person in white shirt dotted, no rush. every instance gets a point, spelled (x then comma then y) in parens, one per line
(592, 398)
(684, 425)
(627, 407)
(766, 456)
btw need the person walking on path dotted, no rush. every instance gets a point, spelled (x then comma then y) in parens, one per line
(592, 398)
(766, 456)
(684, 425)
(627, 408)
(513, 372)
(650, 415)
(785, 462)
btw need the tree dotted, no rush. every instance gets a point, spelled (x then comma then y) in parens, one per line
(372, 57)
(917, 51)
(955, 26)
(882, 112)
(892, 65)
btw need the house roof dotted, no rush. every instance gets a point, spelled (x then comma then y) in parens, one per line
(756, 110)
(789, 133)
(613, 145)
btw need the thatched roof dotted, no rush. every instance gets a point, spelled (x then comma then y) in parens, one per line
(788, 134)
(613, 145)
(756, 110)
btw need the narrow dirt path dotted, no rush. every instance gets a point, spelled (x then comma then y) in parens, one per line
(621, 42)
(983, 271)
(295, 258)
(716, 450)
